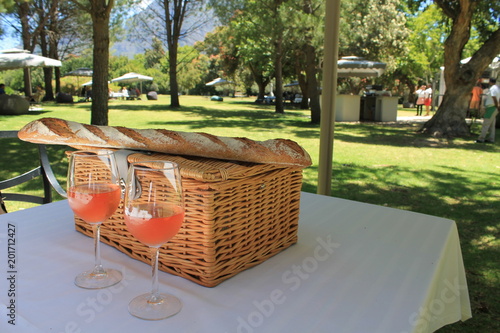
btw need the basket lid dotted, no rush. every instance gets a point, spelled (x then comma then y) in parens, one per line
(209, 169)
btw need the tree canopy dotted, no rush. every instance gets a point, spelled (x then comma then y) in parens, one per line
(449, 120)
(274, 42)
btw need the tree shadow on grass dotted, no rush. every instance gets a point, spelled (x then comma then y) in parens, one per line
(38, 112)
(473, 206)
(243, 119)
(397, 134)
(148, 107)
(19, 157)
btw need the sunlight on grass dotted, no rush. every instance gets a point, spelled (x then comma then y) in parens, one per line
(485, 241)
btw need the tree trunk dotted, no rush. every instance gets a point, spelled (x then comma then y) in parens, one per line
(23, 12)
(279, 107)
(262, 90)
(174, 12)
(449, 120)
(172, 72)
(47, 71)
(312, 82)
(47, 80)
(57, 78)
(278, 57)
(260, 81)
(100, 90)
(303, 83)
(53, 44)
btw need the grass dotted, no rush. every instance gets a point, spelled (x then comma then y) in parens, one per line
(388, 164)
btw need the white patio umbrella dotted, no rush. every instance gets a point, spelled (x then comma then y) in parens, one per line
(218, 82)
(132, 78)
(84, 71)
(16, 59)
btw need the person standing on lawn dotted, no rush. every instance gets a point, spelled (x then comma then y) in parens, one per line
(475, 100)
(491, 106)
(428, 100)
(420, 99)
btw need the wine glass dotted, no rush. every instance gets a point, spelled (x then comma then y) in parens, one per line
(94, 194)
(153, 213)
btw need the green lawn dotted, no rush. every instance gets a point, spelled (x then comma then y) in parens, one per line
(384, 164)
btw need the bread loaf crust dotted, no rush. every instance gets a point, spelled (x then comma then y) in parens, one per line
(82, 136)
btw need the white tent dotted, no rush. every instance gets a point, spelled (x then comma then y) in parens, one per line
(494, 64)
(132, 78)
(493, 71)
(218, 82)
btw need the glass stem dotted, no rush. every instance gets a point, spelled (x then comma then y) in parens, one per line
(98, 269)
(155, 296)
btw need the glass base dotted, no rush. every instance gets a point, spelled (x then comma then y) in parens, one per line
(163, 307)
(91, 280)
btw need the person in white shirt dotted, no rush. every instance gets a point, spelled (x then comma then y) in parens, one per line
(491, 107)
(420, 99)
(428, 100)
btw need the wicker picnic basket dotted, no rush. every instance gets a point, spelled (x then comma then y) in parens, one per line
(238, 214)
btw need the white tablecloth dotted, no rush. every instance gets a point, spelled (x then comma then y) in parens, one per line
(356, 268)
(118, 95)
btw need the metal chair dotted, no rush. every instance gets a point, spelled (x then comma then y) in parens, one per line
(44, 170)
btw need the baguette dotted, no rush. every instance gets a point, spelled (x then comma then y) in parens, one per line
(82, 136)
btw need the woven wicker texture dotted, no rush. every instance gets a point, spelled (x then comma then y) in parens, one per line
(238, 214)
(91, 164)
